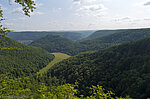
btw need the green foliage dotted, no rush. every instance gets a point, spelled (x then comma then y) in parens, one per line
(59, 44)
(28, 87)
(123, 69)
(28, 6)
(26, 61)
(3, 30)
(98, 93)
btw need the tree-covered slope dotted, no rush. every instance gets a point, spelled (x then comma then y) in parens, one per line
(54, 43)
(116, 38)
(125, 69)
(26, 61)
(101, 33)
(59, 44)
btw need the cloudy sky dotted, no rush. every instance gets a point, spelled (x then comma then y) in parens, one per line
(78, 15)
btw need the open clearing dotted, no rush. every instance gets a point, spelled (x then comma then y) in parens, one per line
(58, 57)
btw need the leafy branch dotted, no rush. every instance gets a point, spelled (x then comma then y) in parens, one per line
(28, 7)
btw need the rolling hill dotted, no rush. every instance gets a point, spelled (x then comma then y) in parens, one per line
(24, 61)
(124, 69)
(115, 39)
(53, 43)
(64, 45)
(28, 36)
(101, 33)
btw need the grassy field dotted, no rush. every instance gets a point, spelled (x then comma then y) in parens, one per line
(58, 57)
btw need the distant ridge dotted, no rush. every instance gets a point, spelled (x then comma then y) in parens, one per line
(102, 33)
(64, 45)
(33, 35)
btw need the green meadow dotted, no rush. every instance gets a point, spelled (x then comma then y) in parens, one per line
(58, 57)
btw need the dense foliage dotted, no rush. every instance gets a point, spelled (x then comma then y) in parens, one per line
(53, 43)
(124, 69)
(29, 88)
(59, 44)
(22, 59)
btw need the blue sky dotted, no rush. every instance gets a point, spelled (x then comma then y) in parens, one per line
(78, 15)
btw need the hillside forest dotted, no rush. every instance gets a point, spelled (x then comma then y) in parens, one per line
(112, 65)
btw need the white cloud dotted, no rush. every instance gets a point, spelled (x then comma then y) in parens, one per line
(39, 4)
(20, 11)
(59, 8)
(15, 19)
(2, 7)
(145, 3)
(124, 19)
(17, 10)
(77, 2)
(90, 0)
(96, 10)
(56, 10)
(9, 24)
(131, 19)
(146, 19)
(78, 14)
(11, 1)
(91, 24)
(84, 1)
(96, 7)
(36, 13)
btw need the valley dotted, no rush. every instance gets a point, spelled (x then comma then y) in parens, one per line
(60, 44)
(74, 49)
(117, 62)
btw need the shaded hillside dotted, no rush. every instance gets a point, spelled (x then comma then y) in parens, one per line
(26, 61)
(53, 43)
(101, 33)
(59, 44)
(124, 69)
(115, 39)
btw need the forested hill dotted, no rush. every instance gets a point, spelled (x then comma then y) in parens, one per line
(53, 43)
(24, 61)
(101, 33)
(33, 35)
(124, 69)
(115, 39)
(59, 44)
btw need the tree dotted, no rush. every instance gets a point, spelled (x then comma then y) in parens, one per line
(3, 30)
(27, 6)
